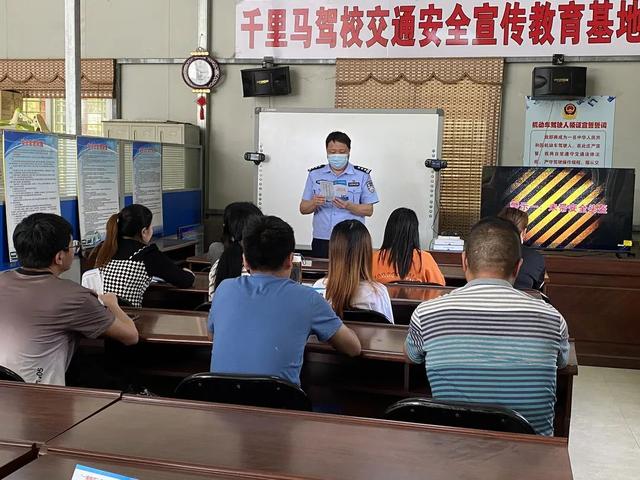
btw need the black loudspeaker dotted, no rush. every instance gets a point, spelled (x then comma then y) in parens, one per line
(559, 83)
(266, 82)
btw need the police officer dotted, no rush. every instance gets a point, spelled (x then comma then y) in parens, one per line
(351, 185)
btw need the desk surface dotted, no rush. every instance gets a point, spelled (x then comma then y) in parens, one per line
(379, 341)
(168, 244)
(61, 467)
(223, 438)
(15, 456)
(37, 413)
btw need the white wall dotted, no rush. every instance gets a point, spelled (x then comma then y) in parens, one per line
(233, 115)
(168, 28)
(156, 92)
(110, 28)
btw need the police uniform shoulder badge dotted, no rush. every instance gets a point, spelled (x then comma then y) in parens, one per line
(318, 167)
(362, 169)
(370, 186)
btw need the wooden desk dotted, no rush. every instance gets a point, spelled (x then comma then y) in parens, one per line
(404, 299)
(15, 456)
(196, 262)
(599, 297)
(203, 437)
(382, 366)
(319, 267)
(163, 295)
(37, 413)
(60, 467)
(379, 342)
(175, 248)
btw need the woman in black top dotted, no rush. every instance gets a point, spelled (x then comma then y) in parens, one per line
(128, 262)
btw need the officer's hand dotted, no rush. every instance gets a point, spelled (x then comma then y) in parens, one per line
(318, 201)
(341, 203)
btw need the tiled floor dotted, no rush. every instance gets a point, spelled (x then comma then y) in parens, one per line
(604, 443)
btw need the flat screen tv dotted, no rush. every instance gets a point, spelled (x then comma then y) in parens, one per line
(569, 208)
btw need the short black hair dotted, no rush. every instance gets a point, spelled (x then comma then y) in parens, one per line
(339, 137)
(39, 237)
(267, 242)
(494, 245)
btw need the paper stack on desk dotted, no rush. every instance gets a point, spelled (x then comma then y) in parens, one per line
(447, 243)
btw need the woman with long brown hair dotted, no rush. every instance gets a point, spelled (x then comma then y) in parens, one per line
(128, 262)
(349, 283)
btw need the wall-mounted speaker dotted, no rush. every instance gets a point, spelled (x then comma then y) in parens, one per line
(266, 82)
(559, 83)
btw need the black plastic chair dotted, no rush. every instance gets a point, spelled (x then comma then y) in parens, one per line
(9, 375)
(366, 316)
(203, 307)
(251, 390)
(458, 414)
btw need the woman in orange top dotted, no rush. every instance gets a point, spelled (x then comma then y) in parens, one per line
(400, 257)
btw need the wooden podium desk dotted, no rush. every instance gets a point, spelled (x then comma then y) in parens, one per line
(222, 439)
(37, 413)
(381, 370)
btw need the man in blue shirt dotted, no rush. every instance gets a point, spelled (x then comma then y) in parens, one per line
(261, 322)
(353, 193)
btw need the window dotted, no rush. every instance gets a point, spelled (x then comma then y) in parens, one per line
(34, 106)
(94, 111)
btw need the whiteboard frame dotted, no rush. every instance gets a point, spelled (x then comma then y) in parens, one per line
(369, 111)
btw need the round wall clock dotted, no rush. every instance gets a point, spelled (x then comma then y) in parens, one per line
(201, 72)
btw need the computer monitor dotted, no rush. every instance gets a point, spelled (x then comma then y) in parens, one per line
(568, 208)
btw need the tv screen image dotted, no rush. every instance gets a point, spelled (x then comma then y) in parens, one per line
(568, 208)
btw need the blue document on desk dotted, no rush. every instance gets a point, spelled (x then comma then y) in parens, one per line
(85, 473)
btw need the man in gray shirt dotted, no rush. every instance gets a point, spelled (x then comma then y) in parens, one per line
(43, 315)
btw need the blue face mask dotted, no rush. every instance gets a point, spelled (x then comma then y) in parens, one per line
(338, 160)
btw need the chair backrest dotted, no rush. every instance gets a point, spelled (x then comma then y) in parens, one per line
(458, 414)
(253, 390)
(367, 316)
(9, 375)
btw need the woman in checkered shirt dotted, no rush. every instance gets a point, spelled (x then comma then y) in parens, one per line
(128, 262)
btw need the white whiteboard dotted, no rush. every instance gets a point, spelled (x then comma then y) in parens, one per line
(394, 144)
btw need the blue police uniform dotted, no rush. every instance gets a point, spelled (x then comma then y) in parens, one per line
(359, 190)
